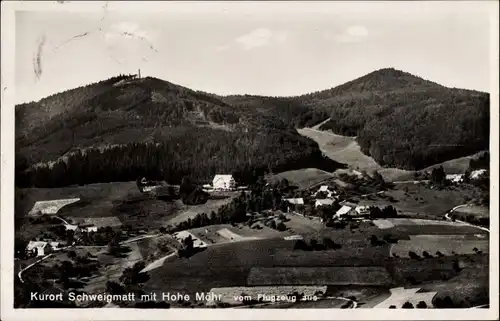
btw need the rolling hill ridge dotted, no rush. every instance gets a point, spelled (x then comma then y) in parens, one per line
(118, 128)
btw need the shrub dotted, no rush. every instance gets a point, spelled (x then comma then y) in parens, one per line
(422, 305)
(407, 305)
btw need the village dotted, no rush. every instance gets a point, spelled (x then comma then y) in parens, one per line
(273, 208)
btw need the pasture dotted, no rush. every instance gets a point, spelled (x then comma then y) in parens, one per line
(306, 226)
(302, 178)
(341, 275)
(51, 206)
(185, 212)
(99, 222)
(432, 245)
(97, 198)
(342, 149)
(224, 233)
(477, 211)
(345, 149)
(419, 200)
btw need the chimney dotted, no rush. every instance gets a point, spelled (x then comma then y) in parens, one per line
(139, 73)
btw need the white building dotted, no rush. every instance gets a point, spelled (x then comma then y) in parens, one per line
(323, 202)
(295, 201)
(38, 248)
(71, 227)
(89, 228)
(362, 210)
(477, 173)
(344, 210)
(325, 189)
(455, 178)
(223, 182)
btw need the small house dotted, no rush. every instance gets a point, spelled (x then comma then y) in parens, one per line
(344, 210)
(477, 173)
(295, 201)
(325, 189)
(362, 210)
(455, 178)
(323, 202)
(37, 248)
(88, 228)
(223, 182)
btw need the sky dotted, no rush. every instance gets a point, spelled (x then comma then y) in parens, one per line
(263, 48)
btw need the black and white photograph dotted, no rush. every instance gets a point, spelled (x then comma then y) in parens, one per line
(285, 158)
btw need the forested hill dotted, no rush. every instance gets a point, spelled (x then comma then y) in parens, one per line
(120, 128)
(125, 127)
(399, 119)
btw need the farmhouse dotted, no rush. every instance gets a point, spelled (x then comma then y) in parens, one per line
(455, 178)
(323, 202)
(325, 189)
(223, 182)
(41, 248)
(344, 210)
(295, 201)
(477, 173)
(88, 228)
(71, 227)
(362, 210)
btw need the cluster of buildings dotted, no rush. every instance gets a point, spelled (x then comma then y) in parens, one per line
(41, 248)
(459, 178)
(325, 196)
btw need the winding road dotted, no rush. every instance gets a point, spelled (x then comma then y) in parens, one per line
(447, 216)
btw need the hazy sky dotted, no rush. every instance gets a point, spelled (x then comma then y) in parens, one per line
(255, 48)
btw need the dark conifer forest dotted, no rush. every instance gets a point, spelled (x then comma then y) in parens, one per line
(125, 127)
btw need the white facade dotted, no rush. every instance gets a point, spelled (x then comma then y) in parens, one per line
(89, 229)
(362, 210)
(37, 248)
(455, 178)
(296, 201)
(323, 202)
(223, 182)
(344, 210)
(477, 173)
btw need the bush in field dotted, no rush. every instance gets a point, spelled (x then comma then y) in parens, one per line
(422, 305)
(407, 305)
(413, 255)
(281, 227)
(392, 307)
(426, 255)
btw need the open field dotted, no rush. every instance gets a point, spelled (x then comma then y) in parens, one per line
(261, 293)
(401, 295)
(418, 199)
(391, 222)
(342, 149)
(344, 275)
(302, 178)
(97, 198)
(302, 225)
(478, 211)
(433, 245)
(345, 149)
(51, 206)
(224, 233)
(156, 247)
(112, 268)
(99, 222)
(184, 212)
